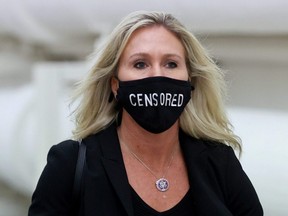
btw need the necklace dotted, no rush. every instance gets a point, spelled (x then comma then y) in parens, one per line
(162, 184)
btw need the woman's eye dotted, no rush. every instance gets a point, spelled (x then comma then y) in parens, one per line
(140, 65)
(171, 65)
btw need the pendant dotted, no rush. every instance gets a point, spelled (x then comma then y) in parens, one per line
(162, 184)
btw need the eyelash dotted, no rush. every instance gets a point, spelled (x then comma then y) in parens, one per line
(144, 65)
(174, 64)
(136, 65)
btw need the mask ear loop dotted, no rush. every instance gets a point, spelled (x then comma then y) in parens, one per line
(111, 96)
(192, 86)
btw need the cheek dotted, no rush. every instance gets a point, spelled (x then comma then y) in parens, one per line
(181, 74)
(122, 69)
(126, 73)
(185, 75)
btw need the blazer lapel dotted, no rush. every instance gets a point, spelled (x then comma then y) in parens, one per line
(206, 201)
(114, 165)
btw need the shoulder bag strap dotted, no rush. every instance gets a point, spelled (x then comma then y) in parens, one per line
(78, 173)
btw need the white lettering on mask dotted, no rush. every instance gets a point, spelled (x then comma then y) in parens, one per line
(154, 99)
(133, 103)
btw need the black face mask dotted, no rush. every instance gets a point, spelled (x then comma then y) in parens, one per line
(155, 103)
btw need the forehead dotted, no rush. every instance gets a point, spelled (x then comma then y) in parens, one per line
(152, 38)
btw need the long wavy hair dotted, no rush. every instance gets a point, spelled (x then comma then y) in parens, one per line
(204, 116)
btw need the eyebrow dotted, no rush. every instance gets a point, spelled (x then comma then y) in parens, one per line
(142, 54)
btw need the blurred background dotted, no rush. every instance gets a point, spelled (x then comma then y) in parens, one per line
(44, 49)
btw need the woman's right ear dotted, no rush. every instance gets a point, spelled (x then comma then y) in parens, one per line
(114, 85)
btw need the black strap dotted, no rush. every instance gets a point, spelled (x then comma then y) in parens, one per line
(78, 173)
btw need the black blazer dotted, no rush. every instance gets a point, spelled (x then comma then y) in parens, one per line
(219, 185)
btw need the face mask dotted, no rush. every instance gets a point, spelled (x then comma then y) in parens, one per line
(155, 103)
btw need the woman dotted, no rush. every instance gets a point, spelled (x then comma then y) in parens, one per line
(158, 140)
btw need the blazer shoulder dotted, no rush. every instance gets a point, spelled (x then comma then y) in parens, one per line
(218, 148)
(93, 141)
(201, 148)
(66, 150)
(241, 196)
(215, 145)
(219, 155)
(61, 158)
(67, 145)
(53, 192)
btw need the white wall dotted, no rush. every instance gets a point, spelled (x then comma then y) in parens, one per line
(265, 154)
(257, 74)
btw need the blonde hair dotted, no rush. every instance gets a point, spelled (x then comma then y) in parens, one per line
(204, 116)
